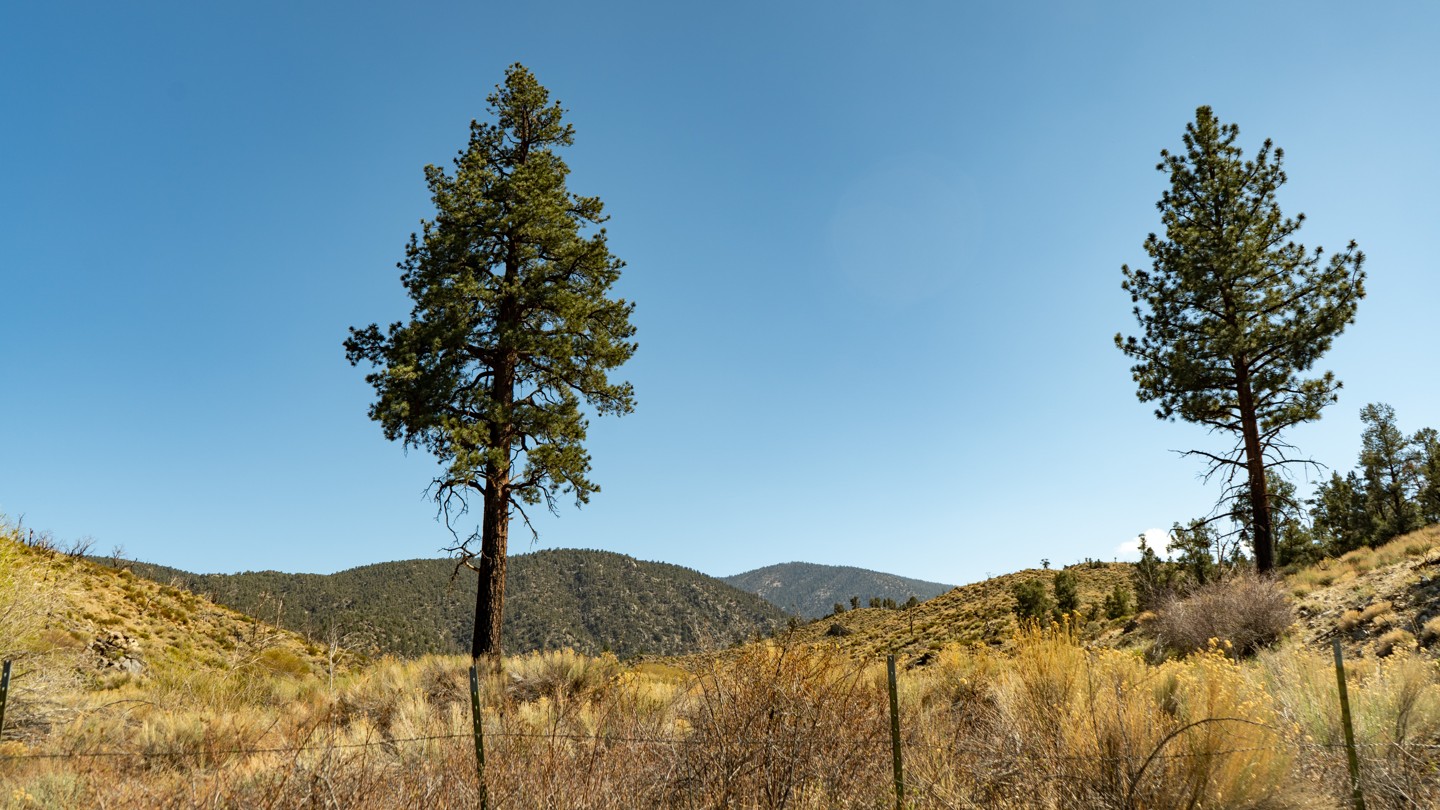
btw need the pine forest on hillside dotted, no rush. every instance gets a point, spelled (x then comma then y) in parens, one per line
(588, 601)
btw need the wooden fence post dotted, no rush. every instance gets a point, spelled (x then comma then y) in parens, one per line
(895, 733)
(4, 692)
(1355, 793)
(479, 731)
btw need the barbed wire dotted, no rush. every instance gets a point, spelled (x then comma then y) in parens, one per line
(1280, 745)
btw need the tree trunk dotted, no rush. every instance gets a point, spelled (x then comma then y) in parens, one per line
(490, 596)
(1264, 533)
(495, 521)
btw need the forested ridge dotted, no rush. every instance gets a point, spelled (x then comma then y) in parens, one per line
(590, 601)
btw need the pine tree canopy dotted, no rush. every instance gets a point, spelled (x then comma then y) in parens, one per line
(1233, 311)
(513, 325)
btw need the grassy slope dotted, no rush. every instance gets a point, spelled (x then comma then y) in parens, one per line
(1372, 599)
(1004, 729)
(78, 607)
(981, 613)
(1369, 594)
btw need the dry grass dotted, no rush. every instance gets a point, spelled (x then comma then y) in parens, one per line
(1395, 704)
(1043, 722)
(1376, 610)
(1430, 631)
(1059, 726)
(1393, 640)
(1417, 545)
(1048, 724)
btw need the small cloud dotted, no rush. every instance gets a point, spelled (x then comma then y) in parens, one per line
(1158, 539)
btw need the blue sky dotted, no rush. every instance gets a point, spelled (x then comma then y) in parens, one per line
(875, 251)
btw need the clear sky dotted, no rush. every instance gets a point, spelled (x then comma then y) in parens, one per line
(875, 251)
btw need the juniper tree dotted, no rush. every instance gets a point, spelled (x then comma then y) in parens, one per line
(513, 330)
(1233, 312)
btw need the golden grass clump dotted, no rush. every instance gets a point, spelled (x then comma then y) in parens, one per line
(1062, 726)
(1395, 707)
(1349, 620)
(561, 672)
(779, 726)
(1393, 640)
(1375, 610)
(1430, 631)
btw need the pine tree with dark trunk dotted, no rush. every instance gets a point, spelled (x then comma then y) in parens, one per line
(1390, 463)
(1427, 450)
(1233, 312)
(513, 328)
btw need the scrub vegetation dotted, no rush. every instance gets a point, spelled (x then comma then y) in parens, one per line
(221, 710)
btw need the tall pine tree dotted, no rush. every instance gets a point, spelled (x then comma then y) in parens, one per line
(1427, 450)
(513, 327)
(1390, 463)
(1341, 514)
(1233, 312)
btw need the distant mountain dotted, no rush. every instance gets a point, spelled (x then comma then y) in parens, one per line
(811, 590)
(591, 601)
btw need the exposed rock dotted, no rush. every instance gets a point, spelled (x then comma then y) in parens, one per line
(115, 650)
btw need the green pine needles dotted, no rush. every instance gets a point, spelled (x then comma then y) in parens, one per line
(1233, 312)
(513, 328)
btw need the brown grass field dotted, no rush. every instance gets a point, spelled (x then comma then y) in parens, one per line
(229, 713)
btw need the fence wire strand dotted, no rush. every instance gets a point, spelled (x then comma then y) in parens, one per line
(685, 741)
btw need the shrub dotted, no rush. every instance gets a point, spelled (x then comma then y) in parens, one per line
(1349, 620)
(559, 674)
(1031, 600)
(1395, 704)
(1245, 611)
(1056, 725)
(783, 727)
